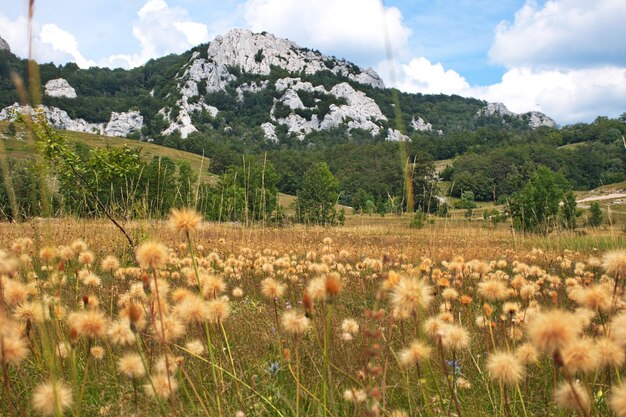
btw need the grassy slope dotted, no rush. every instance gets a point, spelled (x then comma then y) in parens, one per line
(20, 148)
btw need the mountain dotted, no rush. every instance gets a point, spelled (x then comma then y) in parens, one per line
(245, 83)
(4, 45)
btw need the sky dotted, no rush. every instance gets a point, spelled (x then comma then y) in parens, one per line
(566, 58)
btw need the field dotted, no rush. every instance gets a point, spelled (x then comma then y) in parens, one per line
(372, 318)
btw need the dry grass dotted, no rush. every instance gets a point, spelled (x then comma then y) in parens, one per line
(467, 275)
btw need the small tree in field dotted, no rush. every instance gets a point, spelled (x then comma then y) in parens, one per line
(537, 207)
(596, 214)
(318, 196)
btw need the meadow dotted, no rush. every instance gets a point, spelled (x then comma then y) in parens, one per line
(372, 318)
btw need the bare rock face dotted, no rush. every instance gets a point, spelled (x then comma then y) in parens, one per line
(4, 45)
(421, 125)
(120, 124)
(59, 88)
(269, 131)
(535, 119)
(394, 135)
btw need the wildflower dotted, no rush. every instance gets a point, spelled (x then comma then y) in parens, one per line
(170, 328)
(580, 355)
(617, 400)
(454, 337)
(450, 294)
(110, 263)
(151, 255)
(614, 263)
(553, 330)
(88, 323)
(505, 368)
(163, 386)
(350, 326)
(237, 292)
(212, 286)
(195, 347)
(272, 288)
(416, 353)
(185, 220)
(86, 258)
(618, 329)
(411, 295)
(596, 297)
(218, 310)
(294, 322)
(455, 365)
(316, 288)
(273, 368)
(14, 349)
(52, 398)
(527, 354)
(78, 246)
(493, 290)
(575, 399)
(609, 353)
(333, 284)
(47, 254)
(193, 309)
(131, 366)
(97, 352)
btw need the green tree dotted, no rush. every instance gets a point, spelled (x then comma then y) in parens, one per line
(318, 195)
(537, 206)
(596, 214)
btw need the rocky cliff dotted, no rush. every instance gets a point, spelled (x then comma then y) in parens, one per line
(534, 119)
(4, 44)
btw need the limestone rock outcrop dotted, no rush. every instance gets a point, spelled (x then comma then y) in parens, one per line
(120, 124)
(534, 119)
(4, 44)
(59, 87)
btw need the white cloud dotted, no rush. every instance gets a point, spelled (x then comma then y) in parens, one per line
(161, 30)
(569, 96)
(63, 41)
(359, 28)
(420, 75)
(563, 34)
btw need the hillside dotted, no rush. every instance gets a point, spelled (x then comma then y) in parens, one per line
(246, 83)
(273, 103)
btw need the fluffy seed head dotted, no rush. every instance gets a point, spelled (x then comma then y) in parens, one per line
(568, 399)
(218, 310)
(553, 330)
(185, 220)
(52, 398)
(414, 354)
(505, 368)
(294, 322)
(151, 255)
(614, 263)
(272, 288)
(162, 384)
(580, 355)
(88, 323)
(617, 400)
(350, 326)
(110, 263)
(131, 366)
(411, 294)
(493, 290)
(609, 353)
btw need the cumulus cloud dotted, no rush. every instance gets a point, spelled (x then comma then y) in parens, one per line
(161, 30)
(421, 75)
(357, 28)
(63, 41)
(568, 96)
(563, 34)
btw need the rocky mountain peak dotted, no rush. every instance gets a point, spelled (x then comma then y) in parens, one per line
(256, 53)
(4, 44)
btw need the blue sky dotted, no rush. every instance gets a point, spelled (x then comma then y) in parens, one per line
(566, 58)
